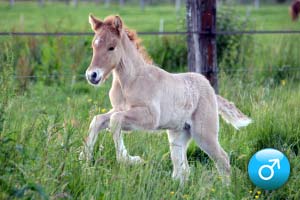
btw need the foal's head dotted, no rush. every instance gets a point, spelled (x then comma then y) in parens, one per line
(106, 48)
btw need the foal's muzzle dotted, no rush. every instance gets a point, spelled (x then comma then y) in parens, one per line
(94, 76)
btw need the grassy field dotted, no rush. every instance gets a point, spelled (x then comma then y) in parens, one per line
(43, 133)
(60, 17)
(31, 17)
(42, 128)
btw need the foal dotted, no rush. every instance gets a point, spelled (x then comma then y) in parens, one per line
(145, 97)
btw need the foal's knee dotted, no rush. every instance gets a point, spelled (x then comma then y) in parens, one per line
(116, 120)
(98, 123)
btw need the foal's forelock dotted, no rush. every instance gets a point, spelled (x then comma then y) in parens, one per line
(97, 40)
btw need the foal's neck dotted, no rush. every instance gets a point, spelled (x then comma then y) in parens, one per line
(131, 62)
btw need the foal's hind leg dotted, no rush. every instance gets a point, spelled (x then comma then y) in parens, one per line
(98, 123)
(205, 133)
(178, 141)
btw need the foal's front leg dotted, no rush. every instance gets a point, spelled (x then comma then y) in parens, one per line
(98, 123)
(135, 118)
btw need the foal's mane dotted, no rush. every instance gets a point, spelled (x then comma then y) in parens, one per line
(132, 35)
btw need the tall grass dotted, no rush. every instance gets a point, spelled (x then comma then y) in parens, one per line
(43, 129)
(43, 123)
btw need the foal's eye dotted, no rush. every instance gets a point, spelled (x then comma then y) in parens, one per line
(111, 48)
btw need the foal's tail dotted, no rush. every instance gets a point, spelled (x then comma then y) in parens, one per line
(231, 114)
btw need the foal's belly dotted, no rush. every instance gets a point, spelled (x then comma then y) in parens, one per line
(177, 121)
(177, 113)
(179, 103)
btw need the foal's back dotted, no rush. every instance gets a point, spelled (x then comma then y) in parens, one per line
(176, 96)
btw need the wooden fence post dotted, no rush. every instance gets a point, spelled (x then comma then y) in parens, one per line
(12, 3)
(142, 5)
(107, 3)
(202, 49)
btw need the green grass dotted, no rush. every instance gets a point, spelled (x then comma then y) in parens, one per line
(43, 132)
(269, 17)
(42, 128)
(61, 17)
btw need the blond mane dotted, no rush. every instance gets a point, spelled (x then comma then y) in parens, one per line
(132, 35)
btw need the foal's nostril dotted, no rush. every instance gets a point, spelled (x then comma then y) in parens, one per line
(94, 75)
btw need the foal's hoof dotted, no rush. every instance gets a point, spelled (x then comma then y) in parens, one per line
(85, 156)
(132, 160)
(226, 180)
(182, 176)
(136, 160)
(81, 156)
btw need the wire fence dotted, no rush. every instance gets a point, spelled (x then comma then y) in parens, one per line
(233, 71)
(153, 33)
(237, 32)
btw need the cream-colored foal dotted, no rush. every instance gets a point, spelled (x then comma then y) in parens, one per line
(145, 97)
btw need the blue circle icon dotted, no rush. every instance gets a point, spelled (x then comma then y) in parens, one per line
(269, 169)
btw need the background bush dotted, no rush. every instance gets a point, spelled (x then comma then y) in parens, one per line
(170, 52)
(233, 50)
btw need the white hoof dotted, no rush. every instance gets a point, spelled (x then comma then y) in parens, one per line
(81, 156)
(135, 160)
(85, 156)
(226, 180)
(181, 176)
(131, 160)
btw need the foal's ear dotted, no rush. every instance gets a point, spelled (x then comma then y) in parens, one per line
(118, 24)
(95, 22)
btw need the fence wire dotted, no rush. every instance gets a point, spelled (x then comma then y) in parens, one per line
(238, 32)
(233, 71)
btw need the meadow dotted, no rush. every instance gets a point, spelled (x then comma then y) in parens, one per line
(44, 123)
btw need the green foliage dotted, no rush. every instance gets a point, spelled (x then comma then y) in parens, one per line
(285, 62)
(48, 58)
(169, 52)
(40, 145)
(58, 59)
(59, 17)
(43, 127)
(233, 50)
(7, 86)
